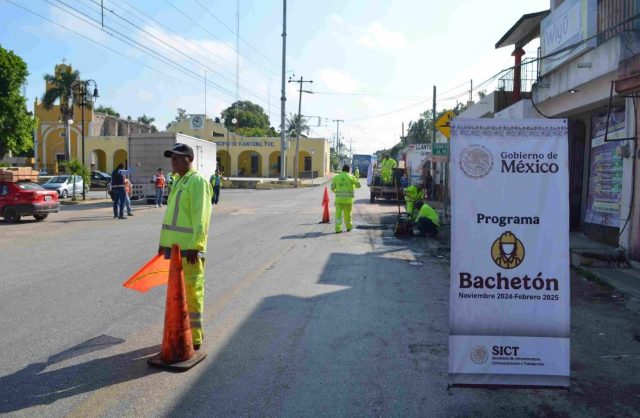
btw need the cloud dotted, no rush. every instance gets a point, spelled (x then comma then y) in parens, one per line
(338, 81)
(378, 37)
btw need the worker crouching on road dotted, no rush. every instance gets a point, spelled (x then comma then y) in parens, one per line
(186, 223)
(343, 186)
(412, 195)
(427, 221)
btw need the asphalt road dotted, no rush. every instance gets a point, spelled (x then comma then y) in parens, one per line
(299, 321)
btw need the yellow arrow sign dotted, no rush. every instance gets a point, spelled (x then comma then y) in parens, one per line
(444, 123)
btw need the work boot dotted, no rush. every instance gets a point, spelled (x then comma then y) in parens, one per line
(196, 347)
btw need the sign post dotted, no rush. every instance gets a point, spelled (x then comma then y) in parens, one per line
(509, 300)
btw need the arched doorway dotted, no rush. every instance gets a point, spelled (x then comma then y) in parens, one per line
(119, 157)
(249, 164)
(98, 160)
(274, 164)
(304, 164)
(224, 162)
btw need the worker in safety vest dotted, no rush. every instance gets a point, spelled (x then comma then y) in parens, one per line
(343, 186)
(216, 181)
(159, 182)
(186, 223)
(427, 221)
(411, 195)
(356, 173)
(387, 166)
(173, 177)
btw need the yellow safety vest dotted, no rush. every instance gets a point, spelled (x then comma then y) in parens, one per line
(186, 221)
(389, 164)
(343, 186)
(427, 211)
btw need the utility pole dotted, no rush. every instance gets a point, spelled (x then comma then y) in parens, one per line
(433, 139)
(337, 147)
(205, 97)
(283, 97)
(295, 158)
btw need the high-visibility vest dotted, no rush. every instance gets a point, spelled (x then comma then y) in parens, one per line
(389, 164)
(427, 211)
(186, 221)
(343, 186)
(356, 173)
(160, 181)
(412, 194)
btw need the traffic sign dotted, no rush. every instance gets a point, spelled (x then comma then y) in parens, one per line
(441, 150)
(444, 123)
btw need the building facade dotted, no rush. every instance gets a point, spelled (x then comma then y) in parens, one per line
(105, 142)
(240, 156)
(588, 71)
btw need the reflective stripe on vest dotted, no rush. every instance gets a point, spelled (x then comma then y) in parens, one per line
(174, 222)
(344, 194)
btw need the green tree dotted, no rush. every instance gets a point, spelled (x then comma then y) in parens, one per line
(64, 86)
(16, 124)
(107, 110)
(182, 115)
(247, 115)
(147, 120)
(76, 168)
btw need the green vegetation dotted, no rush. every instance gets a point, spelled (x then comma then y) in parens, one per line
(16, 123)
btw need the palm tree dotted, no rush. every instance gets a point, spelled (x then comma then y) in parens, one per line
(65, 87)
(295, 121)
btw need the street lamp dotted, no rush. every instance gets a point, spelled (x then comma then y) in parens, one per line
(84, 87)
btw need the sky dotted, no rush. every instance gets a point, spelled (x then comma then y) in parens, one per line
(373, 63)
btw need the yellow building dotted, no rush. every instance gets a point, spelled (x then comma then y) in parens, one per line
(106, 137)
(240, 156)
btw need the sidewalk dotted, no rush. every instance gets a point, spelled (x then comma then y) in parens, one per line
(605, 264)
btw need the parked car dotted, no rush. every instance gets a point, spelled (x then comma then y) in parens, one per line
(63, 185)
(25, 198)
(100, 179)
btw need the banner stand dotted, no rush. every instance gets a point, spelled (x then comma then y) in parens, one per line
(509, 311)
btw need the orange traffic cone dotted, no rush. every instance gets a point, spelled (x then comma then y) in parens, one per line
(177, 347)
(325, 204)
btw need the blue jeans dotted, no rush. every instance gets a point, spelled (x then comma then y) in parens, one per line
(127, 203)
(159, 194)
(119, 202)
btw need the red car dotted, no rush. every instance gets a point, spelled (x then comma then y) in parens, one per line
(25, 198)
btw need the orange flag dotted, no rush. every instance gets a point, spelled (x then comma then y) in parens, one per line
(154, 273)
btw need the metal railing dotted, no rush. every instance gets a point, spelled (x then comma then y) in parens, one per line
(528, 76)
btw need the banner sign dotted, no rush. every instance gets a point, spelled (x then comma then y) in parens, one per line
(509, 301)
(605, 174)
(574, 22)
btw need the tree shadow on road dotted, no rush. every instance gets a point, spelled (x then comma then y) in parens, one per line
(342, 348)
(34, 385)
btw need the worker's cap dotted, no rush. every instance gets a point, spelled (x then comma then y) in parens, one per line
(179, 149)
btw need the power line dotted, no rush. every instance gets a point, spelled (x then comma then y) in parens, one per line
(145, 49)
(232, 31)
(171, 34)
(101, 44)
(156, 39)
(195, 22)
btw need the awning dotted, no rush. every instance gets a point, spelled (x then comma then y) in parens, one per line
(526, 29)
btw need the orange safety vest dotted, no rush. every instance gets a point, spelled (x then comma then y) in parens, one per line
(160, 182)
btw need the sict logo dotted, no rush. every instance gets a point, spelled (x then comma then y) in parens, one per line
(504, 350)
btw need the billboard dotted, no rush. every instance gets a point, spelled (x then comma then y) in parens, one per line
(572, 22)
(509, 294)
